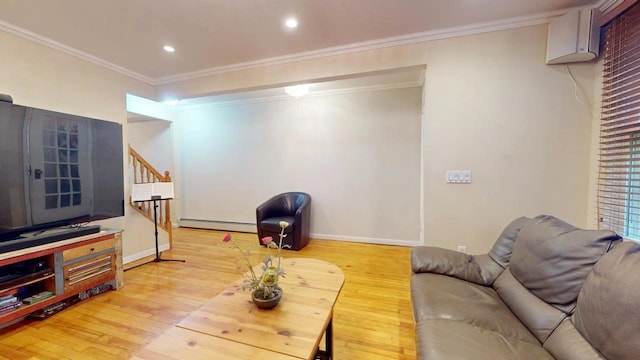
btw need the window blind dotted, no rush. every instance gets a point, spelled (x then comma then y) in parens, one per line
(619, 158)
(612, 8)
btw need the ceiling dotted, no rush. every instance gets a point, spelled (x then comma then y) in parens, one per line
(128, 35)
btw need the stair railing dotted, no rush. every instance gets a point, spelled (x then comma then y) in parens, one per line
(143, 172)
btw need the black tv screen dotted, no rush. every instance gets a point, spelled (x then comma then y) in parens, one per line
(57, 170)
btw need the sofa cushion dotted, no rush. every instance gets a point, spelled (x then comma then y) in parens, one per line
(273, 224)
(441, 339)
(566, 343)
(552, 258)
(608, 309)
(538, 316)
(443, 297)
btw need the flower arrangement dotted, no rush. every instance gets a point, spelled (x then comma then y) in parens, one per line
(264, 286)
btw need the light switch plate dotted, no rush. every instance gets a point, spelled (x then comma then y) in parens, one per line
(458, 176)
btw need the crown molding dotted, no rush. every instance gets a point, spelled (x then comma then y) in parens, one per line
(52, 44)
(368, 88)
(284, 97)
(472, 29)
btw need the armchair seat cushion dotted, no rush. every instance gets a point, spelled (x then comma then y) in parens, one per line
(273, 224)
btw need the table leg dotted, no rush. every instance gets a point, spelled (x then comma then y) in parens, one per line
(327, 354)
(328, 339)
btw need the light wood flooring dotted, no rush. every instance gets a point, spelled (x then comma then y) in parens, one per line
(372, 317)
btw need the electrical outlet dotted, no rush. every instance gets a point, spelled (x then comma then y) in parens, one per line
(462, 249)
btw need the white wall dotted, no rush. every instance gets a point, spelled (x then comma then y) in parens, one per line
(357, 154)
(153, 140)
(491, 106)
(494, 107)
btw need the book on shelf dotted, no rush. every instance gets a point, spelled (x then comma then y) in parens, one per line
(37, 297)
(8, 299)
(10, 307)
(7, 296)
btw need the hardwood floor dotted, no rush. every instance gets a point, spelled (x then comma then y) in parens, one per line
(372, 317)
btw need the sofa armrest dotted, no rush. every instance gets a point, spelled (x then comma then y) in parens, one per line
(303, 221)
(479, 269)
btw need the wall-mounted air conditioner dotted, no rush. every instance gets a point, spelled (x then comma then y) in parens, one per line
(574, 37)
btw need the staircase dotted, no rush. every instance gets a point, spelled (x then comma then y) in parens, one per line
(143, 172)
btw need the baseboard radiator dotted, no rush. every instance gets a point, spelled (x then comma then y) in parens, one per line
(218, 225)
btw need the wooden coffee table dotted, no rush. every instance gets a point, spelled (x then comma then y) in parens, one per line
(230, 326)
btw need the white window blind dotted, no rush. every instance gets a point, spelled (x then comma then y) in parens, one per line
(619, 166)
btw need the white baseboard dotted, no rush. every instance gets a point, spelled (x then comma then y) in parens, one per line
(143, 254)
(251, 228)
(368, 240)
(218, 225)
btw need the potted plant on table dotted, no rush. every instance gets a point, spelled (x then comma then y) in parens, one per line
(265, 291)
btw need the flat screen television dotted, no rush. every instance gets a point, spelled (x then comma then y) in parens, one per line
(57, 171)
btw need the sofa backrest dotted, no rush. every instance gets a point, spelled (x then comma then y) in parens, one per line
(503, 247)
(284, 204)
(492, 264)
(550, 261)
(552, 258)
(608, 309)
(605, 324)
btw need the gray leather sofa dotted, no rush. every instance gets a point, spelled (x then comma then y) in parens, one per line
(546, 290)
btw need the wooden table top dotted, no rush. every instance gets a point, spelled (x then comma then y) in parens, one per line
(230, 325)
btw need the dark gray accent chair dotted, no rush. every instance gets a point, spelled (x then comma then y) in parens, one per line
(292, 207)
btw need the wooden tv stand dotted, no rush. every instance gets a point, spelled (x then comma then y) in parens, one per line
(65, 268)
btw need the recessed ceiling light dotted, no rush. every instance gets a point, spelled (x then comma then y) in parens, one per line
(291, 23)
(169, 48)
(172, 102)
